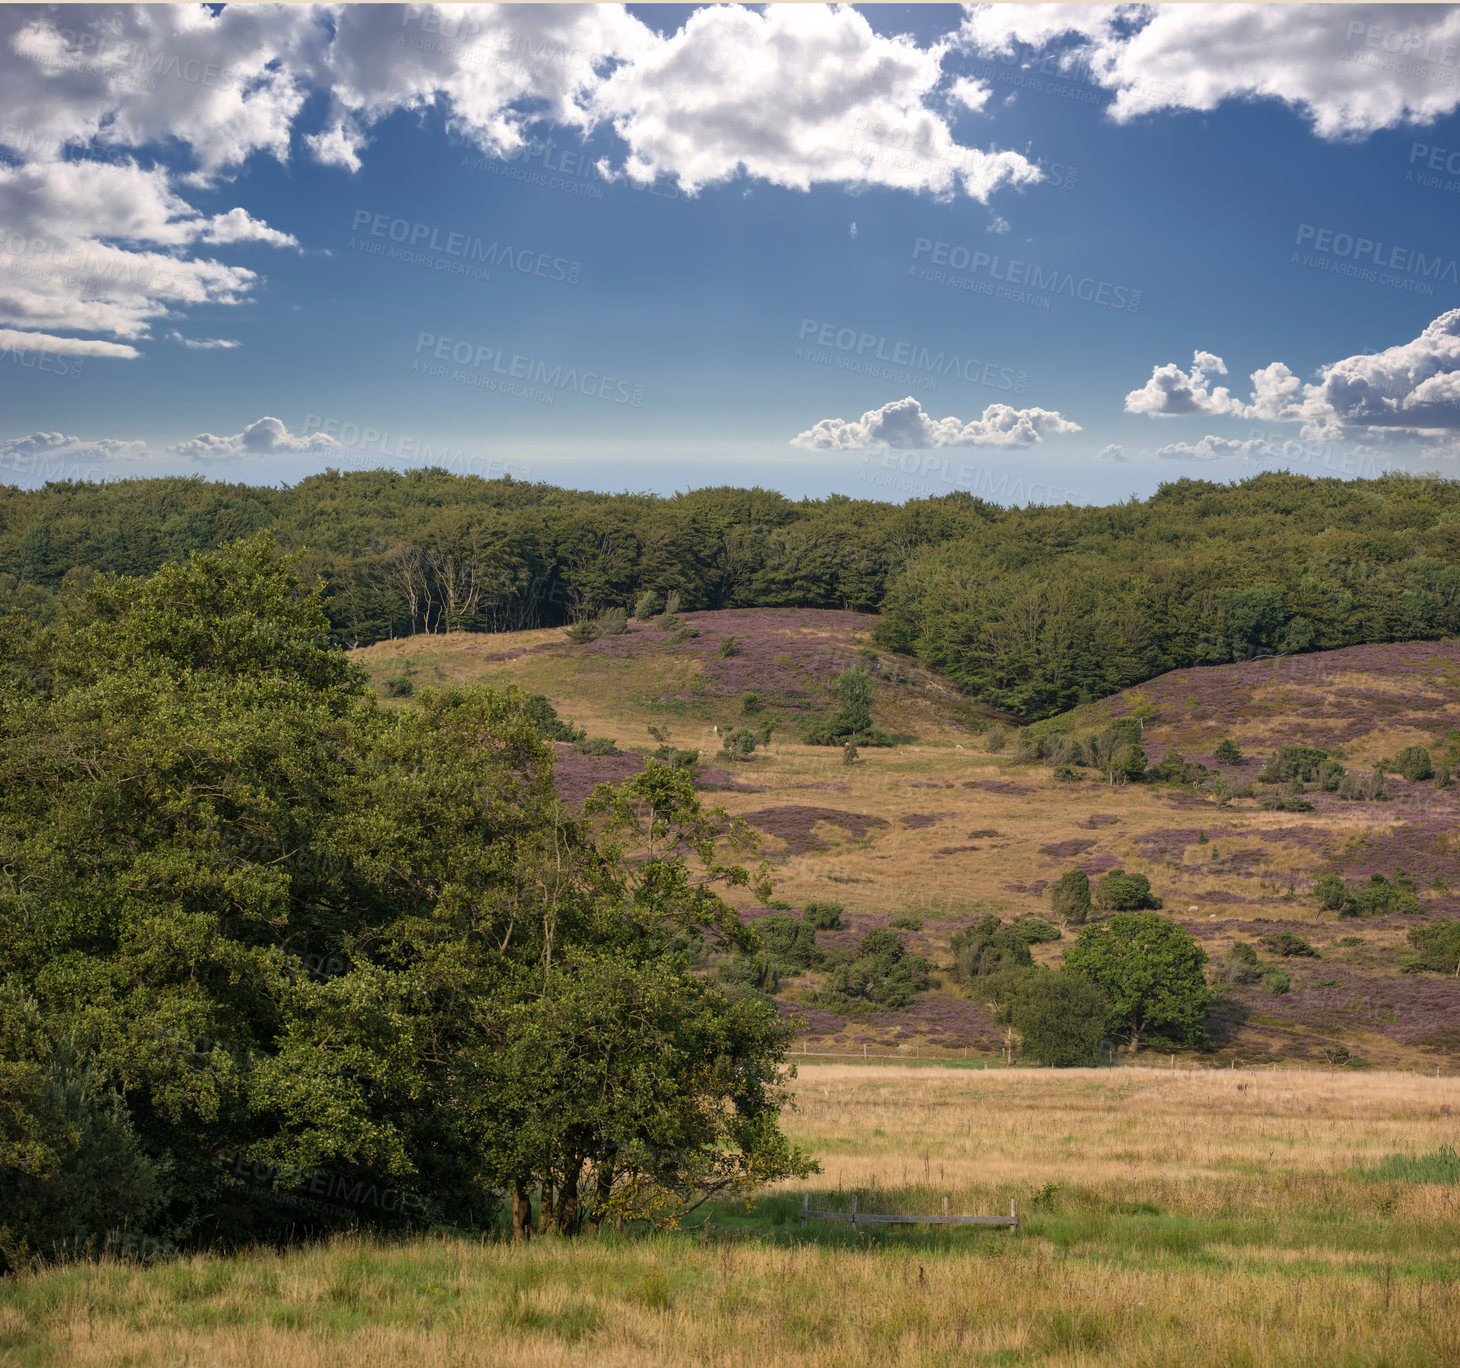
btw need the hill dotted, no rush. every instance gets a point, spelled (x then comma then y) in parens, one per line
(949, 825)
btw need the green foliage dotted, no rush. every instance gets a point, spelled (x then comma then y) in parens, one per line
(995, 739)
(674, 757)
(1070, 897)
(987, 949)
(646, 605)
(1286, 944)
(1360, 788)
(789, 941)
(398, 686)
(1035, 930)
(851, 723)
(612, 622)
(750, 703)
(1175, 770)
(1275, 980)
(1060, 1018)
(363, 945)
(1413, 763)
(1293, 762)
(581, 633)
(1119, 891)
(1437, 948)
(544, 718)
(823, 916)
(1228, 752)
(596, 745)
(907, 923)
(879, 974)
(1377, 898)
(739, 744)
(729, 646)
(1287, 802)
(849, 754)
(1439, 1166)
(1331, 892)
(1150, 972)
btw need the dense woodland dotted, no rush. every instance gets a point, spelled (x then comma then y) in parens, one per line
(1029, 609)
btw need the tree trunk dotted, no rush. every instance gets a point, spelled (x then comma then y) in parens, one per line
(602, 1191)
(521, 1211)
(565, 1212)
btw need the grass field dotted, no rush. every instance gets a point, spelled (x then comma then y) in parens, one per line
(1196, 1217)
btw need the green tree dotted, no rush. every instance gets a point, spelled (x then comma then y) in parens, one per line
(1060, 1018)
(1119, 891)
(1070, 897)
(1150, 973)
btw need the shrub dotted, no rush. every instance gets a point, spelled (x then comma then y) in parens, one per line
(995, 739)
(1119, 891)
(752, 973)
(646, 606)
(399, 687)
(1067, 773)
(880, 974)
(675, 758)
(729, 646)
(596, 745)
(1330, 776)
(766, 730)
(987, 947)
(1239, 965)
(1349, 941)
(1442, 777)
(1060, 1018)
(750, 703)
(849, 754)
(684, 634)
(823, 916)
(613, 622)
(549, 725)
(1071, 897)
(1228, 752)
(907, 923)
(671, 602)
(1276, 981)
(1035, 930)
(738, 744)
(1287, 945)
(791, 943)
(1413, 762)
(1331, 892)
(581, 633)
(1437, 947)
(1292, 762)
(1286, 802)
(1359, 788)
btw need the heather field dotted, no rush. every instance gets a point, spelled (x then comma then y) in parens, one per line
(941, 828)
(1204, 1217)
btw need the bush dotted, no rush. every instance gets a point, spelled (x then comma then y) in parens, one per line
(986, 948)
(1071, 897)
(729, 646)
(1331, 892)
(752, 973)
(849, 754)
(880, 975)
(1376, 898)
(1330, 776)
(750, 703)
(1437, 947)
(1413, 762)
(671, 602)
(1359, 788)
(1067, 774)
(613, 622)
(674, 757)
(1228, 752)
(765, 731)
(684, 634)
(646, 606)
(581, 633)
(545, 719)
(1119, 891)
(789, 942)
(908, 923)
(399, 687)
(1276, 981)
(1035, 930)
(1287, 945)
(596, 745)
(738, 744)
(1293, 762)
(1286, 802)
(823, 916)
(995, 739)
(1060, 1018)
(1239, 965)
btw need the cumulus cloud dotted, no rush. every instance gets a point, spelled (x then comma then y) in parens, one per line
(1114, 452)
(267, 437)
(1412, 388)
(903, 424)
(13, 340)
(57, 456)
(1350, 70)
(203, 343)
(1172, 392)
(1213, 449)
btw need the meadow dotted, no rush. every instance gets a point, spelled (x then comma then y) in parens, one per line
(1197, 1216)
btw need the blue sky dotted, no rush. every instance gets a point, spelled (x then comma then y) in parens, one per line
(889, 252)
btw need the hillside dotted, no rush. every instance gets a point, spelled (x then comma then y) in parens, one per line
(943, 829)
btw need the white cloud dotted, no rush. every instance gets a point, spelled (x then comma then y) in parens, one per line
(1213, 449)
(1172, 392)
(56, 456)
(1349, 70)
(1114, 452)
(13, 340)
(970, 94)
(903, 424)
(266, 437)
(795, 95)
(203, 343)
(1409, 389)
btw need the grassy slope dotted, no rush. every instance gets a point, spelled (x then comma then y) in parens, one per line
(1197, 1217)
(942, 830)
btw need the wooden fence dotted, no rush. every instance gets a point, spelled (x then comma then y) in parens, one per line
(868, 1218)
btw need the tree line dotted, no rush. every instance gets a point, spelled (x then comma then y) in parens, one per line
(1030, 610)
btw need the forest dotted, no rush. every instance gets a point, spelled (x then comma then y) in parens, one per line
(1030, 610)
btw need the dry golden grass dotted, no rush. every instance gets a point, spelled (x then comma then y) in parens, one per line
(1206, 1220)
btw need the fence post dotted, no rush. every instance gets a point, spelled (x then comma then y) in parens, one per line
(854, 1213)
(805, 1204)
(945, 1206)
